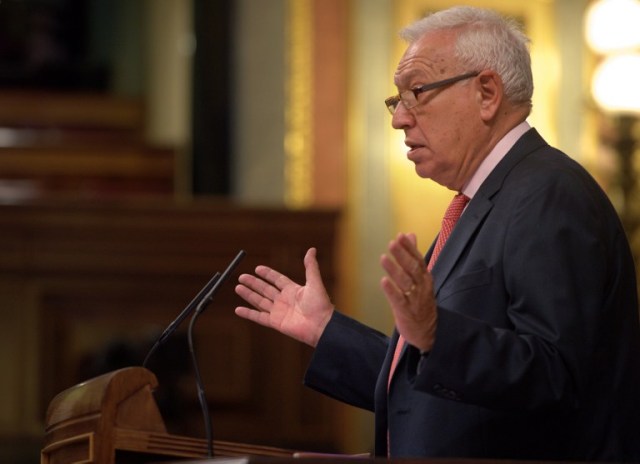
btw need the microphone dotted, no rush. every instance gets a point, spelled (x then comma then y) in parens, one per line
(204, 302)
(193, 305)
(208, 295)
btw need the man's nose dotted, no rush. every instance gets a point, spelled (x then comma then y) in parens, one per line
(402, 117)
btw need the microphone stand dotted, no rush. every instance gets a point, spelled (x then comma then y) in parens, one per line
(199, 384)
(197, 305)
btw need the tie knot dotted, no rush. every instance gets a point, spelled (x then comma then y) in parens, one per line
(454, 211)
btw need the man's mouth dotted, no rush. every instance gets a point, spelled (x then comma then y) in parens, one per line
(413, 147)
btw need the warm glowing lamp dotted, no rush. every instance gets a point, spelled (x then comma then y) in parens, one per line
(615, 84)
(612, 31)
(613, 25)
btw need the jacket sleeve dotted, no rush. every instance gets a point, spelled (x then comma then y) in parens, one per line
(346, 362)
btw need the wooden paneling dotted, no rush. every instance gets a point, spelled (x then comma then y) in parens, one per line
(70, 109)
(99, 282)
(82, 144)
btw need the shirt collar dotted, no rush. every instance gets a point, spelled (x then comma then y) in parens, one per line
(493, 158)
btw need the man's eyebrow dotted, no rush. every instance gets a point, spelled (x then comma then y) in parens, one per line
(411, 75)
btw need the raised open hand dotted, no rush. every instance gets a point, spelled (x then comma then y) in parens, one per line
(301, 312)
(408, 287)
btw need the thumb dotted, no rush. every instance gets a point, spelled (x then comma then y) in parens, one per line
(312, 268)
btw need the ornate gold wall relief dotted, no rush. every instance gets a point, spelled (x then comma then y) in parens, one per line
(298, 140)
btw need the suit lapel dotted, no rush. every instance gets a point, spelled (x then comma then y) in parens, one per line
(479, 207)
(472, 218)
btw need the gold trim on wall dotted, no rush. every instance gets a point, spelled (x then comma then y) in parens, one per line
(298, 142)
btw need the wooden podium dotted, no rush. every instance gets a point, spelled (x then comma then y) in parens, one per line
(114, 418)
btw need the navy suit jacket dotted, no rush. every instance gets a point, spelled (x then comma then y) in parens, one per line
(537, 347)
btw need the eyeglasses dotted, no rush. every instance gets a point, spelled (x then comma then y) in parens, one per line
(409, 98)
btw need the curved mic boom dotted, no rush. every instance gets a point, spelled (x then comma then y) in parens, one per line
(192, 306)
(199, 384)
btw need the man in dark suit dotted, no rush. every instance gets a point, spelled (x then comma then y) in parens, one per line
(519, 336)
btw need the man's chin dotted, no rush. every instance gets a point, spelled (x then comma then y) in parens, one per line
(428, 174)
(422, 172)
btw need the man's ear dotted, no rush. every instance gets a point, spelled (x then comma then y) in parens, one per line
(490, 94)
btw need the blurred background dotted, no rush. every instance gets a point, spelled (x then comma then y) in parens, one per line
(144, 142)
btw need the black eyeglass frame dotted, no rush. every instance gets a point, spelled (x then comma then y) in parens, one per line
(392, 102)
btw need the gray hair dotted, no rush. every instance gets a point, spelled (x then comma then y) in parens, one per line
(486, 40)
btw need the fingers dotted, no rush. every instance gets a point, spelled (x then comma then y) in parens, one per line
(395, 296)
(255, 292)
(258, 317)
(404, 264)
(258, 285)
(405, 249)
(414, 312)
(408, 287)
(266, 289)
(272, 276)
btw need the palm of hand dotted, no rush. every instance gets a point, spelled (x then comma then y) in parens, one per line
(295, 311)
(302, 312)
